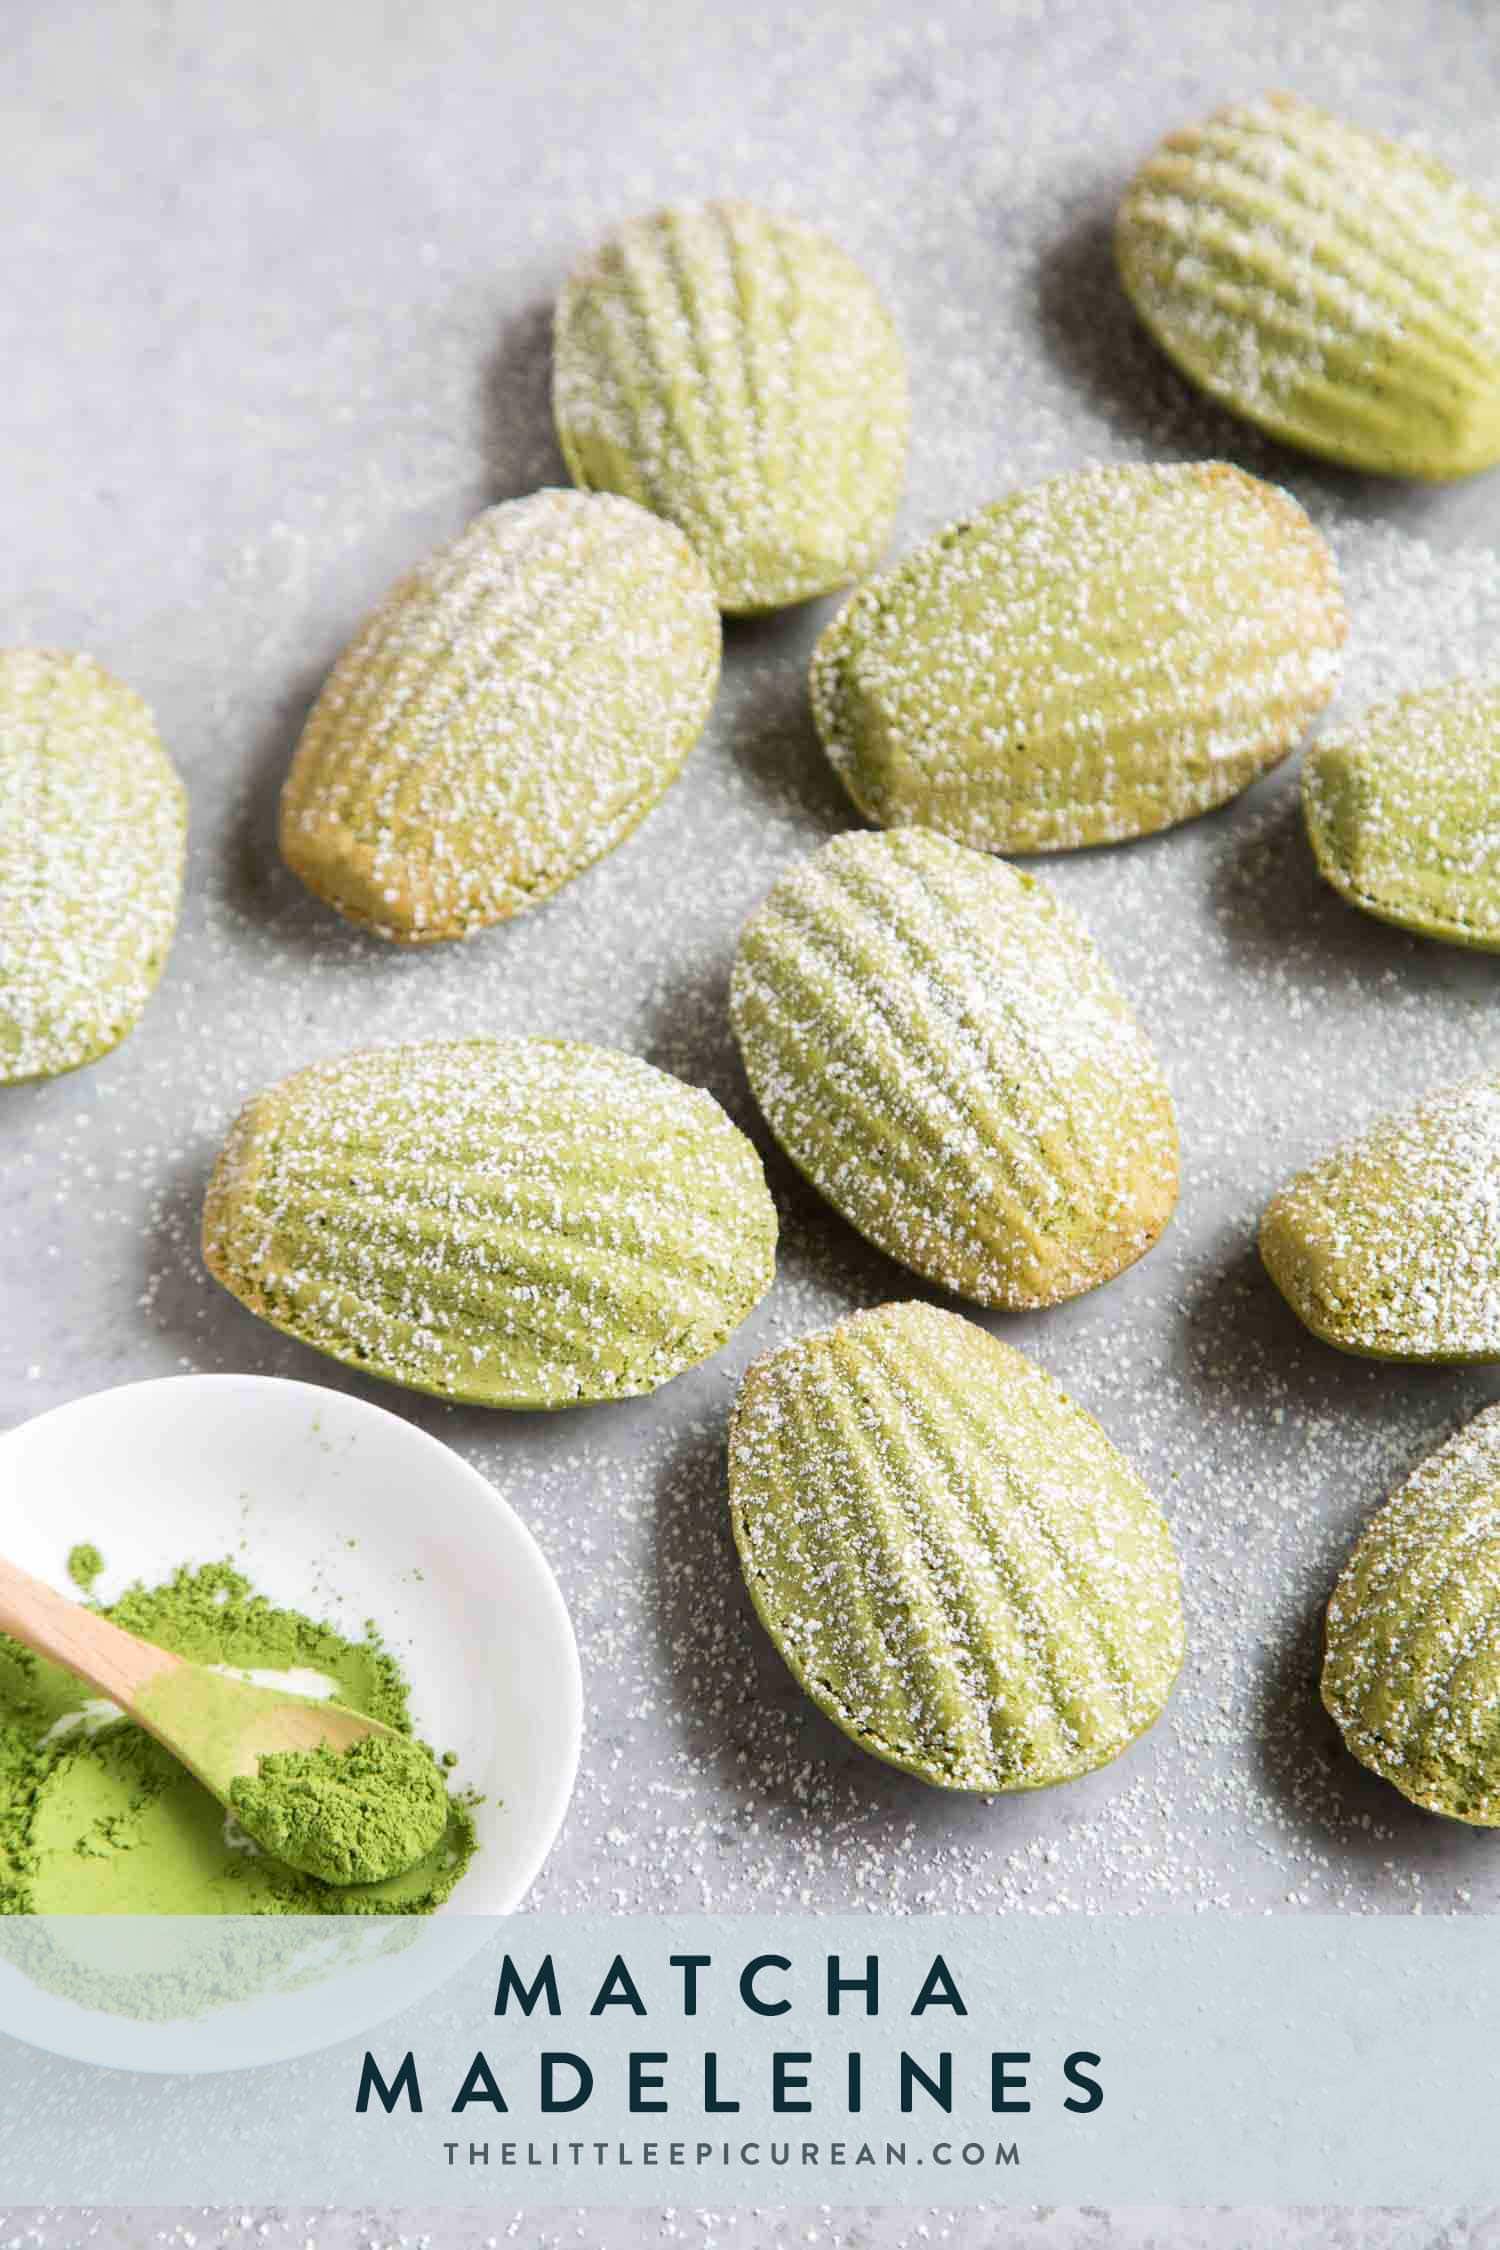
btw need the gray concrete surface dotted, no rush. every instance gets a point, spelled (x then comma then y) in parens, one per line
(274, 320)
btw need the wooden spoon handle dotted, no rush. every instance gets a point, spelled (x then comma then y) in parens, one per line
(106, 1657)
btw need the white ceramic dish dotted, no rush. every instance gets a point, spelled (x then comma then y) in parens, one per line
(333, 1505)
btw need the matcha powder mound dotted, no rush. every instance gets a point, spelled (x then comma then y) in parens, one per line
(346, 1816)
(96, 1818)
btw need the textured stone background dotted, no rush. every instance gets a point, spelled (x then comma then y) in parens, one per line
(274, 320)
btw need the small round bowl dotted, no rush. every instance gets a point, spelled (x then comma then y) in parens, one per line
(339, 1508)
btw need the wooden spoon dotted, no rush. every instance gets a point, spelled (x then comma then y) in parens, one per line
(218, 1727)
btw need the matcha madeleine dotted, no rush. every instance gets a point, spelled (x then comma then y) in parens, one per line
(1390, 1246)
(1338, 289)
(1402, 813)
(938, 1047)
(951, 1556)
(510, 712)
(512, 1222)
(1411, 1666)
(1104, 655)
(93, 828)
(737, 373)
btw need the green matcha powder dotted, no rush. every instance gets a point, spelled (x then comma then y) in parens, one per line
(99, 1819)
(84, 1565)
(346, 1816)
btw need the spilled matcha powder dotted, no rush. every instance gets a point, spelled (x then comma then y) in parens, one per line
(96, 1818)
(84, 1564)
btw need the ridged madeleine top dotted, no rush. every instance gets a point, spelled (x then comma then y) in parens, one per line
(1404, 812)
(508, 714)
(1341, 290)
(737, 373)
(1411, 1667)
(953, 1559)
(1390, 1246)
(93, 828)
(1108, 653)
(515, 1222)
(937, 1045)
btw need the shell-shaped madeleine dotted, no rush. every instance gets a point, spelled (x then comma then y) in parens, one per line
(1404, 813)
(1411, 1664)
(1101, 656)
(514, 1222)
(93, 828)
(951, 1556)
(1390, 1247)
(1338, 289)
(737, 373)
(938, 1047)
(509, 713)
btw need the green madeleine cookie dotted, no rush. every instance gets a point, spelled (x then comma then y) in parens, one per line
(93, 827)
(1411, 1665)
(514, 1222)
(1109, 653)
(510, 712)
(1390, 1247)
(1402, 813)
(938, 1047)
(1341, 290)
(953, 1559)
(737, 373)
